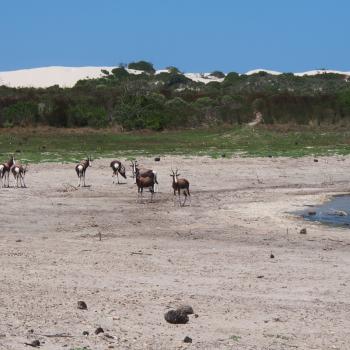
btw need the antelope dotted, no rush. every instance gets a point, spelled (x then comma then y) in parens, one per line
(145, 181)
(117, 167)
(148, 172)
(5, 171)
(81, 169)
(180, 184)
(19, 172)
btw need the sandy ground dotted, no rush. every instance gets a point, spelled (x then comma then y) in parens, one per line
(155, 256)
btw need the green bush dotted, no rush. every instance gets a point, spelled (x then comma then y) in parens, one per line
(142, 65)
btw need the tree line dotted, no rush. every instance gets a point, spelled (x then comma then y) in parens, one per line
(169, 100)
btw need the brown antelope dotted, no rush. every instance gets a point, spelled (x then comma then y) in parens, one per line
(81, 169)
(180, 185)
(145, 181)
(118, 168)
(148, 172)
(5, 171)
(19, 172)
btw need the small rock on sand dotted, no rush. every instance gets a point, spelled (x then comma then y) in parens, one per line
(99, 330)
(187, 340)
(82, 305)
(176, 317)
(303, 231)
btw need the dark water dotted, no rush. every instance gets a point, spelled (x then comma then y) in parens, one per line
(334, 212)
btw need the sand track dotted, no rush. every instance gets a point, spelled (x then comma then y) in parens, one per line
(156, 255)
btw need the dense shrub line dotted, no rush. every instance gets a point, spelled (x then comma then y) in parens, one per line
(171, 100)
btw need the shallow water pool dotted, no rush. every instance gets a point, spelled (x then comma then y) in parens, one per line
(336, 211)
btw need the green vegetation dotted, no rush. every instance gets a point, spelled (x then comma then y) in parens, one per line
(171, 101)
(40, 145)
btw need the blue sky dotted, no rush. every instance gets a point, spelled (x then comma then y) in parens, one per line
(194, 35)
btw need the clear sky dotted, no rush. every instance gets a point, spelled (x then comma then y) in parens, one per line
(193, 35)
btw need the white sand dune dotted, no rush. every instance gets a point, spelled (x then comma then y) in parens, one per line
(68, 76)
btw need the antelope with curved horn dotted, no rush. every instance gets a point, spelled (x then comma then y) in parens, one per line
(5, 171)
(180, 185)
(81, 170)
(118, 168)
(19, 172)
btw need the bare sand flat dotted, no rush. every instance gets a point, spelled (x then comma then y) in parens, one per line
(213, 255)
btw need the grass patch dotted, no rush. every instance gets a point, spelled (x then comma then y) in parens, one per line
(64, 145)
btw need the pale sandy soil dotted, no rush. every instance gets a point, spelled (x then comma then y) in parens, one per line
(208, 255)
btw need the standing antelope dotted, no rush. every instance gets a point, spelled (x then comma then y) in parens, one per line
(180, 184)
(148, 172)
(5, 171)
(145, 181)
(19, 172)
(117, 167)
(81, 169)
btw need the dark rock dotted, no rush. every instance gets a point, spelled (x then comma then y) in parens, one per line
(85, 333)
(311, 212)
(223, 155)
(187, 340)
(34, 343)
(260, 276)
(186, 309)
(272, 256)
(18, 240)
(99, 330)
(176, 317)
(315, 160)
(303, 231)
(157, 159)
(82, 305)
(196, 315)
(108, 336)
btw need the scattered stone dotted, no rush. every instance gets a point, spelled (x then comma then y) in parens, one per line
(85, 333)
(108, 336)
(303, 231)
(186, 309)
(260, 276)
(82, 305)
(311, 212)
(176, 317)
(187, 340)
(223, 155)
(196, 315)
(157, 159)
(99, 330)
(34, 344)
(272, 256)
(315, 160)
(18, 240)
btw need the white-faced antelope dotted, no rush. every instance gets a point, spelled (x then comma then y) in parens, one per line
(145, 181)
(5, 171)
(180, 185)
(81, 169)
(118, 168)
(19, 172)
